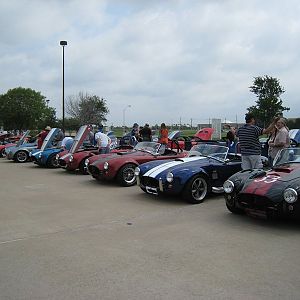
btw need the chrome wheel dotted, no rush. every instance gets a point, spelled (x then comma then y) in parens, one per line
(21, 156)
(126, 175)
(196, 189)
(199, 189)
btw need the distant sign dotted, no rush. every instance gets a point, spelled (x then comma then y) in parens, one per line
(216, 125)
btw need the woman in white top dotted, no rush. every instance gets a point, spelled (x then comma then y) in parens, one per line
(280, 139)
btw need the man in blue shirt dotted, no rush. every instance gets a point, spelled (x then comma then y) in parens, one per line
(249, 142)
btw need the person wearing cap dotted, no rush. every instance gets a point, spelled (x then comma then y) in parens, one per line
(134, 134)
(279, 139)
(42, 135)
(248, 136)
(146, 133)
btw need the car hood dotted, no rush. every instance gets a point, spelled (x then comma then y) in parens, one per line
(272, 183)
(46, 151)
(159, 168)
(120, 156)
(23, 147)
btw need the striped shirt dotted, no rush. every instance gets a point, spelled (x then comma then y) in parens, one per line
(249, 139)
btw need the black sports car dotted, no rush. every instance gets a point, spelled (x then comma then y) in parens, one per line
(273, 193)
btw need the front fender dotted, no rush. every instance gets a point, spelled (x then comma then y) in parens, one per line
(185, 175)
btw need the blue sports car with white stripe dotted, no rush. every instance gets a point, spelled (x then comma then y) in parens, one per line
(193, 177)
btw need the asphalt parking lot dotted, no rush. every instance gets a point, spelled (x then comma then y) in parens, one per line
(66, 236)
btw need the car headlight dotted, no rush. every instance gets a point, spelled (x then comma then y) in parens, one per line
(290, 195)
(228, 186)
(170, 177)
(137, 171)
(105, 165)
(71, 158)
(57, 156)
(86, 162)
(40, 155)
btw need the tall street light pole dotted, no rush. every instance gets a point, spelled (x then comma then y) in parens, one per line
(124, 117)
(63, 44)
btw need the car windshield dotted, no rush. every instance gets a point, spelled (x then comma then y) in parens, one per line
(287, 156)
(150, 147)
(210, 150)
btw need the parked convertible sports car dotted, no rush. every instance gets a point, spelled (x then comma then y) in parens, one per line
(121, 165)
(7, 145)
(81, 149)
(193, 177)
(46, 156)
(20, 152)
(273, 193)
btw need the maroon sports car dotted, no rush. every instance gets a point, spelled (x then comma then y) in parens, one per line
(120, 166)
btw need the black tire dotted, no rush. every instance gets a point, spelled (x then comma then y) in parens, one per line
(196, 189)
(125, 176)
(231, 205)
(52, 162)
(2, 152)
(82, 168)
(21, 156)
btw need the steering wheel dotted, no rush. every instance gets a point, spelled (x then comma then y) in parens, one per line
(179, 149)
(293, 143)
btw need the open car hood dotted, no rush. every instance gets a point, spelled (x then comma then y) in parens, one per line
(81, 135)
(22, 139)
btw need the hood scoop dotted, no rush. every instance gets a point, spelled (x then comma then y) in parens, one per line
(283, 169)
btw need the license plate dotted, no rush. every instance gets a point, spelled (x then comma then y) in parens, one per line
(256, 213)
(151, 190)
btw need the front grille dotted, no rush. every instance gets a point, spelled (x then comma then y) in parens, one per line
(62, 162)
(257, 202)
(149, 181)
(94, 171)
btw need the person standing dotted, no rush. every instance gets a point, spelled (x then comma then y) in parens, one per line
(146, 133)
(103, 142)
(42, 135)
(67, 143)
(248, 136)
(59, 137)
(134, 134)
(163, 134)
(279, 139)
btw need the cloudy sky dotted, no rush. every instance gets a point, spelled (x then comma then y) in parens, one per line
(170, 60)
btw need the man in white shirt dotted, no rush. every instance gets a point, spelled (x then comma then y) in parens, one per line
(67, 142)
(103, 142)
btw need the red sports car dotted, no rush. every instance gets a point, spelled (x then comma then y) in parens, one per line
(187, 142)
(120, 166)
(82, 149)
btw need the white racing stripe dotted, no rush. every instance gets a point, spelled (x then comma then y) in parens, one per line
(36, 153)
(160, 168)
(65, 156)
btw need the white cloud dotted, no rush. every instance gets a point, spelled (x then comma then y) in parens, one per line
(169, 60)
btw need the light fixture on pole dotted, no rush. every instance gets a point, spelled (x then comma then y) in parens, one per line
(124, 117)
(63, 44)
(47, 102)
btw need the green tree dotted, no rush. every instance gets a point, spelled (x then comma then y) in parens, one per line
(88, 109)
(22, 108)
(268, 104)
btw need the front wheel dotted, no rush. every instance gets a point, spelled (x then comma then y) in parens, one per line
(2, 153)
(231, 204)
(126, 175)
(52, 162)
(21, 156)
(82, 167)
(196, 190)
